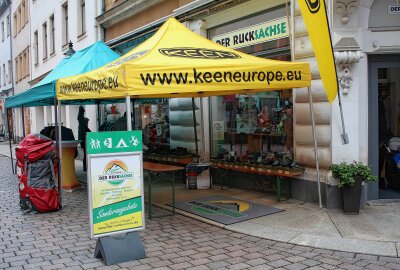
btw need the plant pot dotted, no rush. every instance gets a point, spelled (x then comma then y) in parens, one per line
(351, 196)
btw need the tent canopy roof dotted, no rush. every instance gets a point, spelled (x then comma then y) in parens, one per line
(43, 93)
(176, 62)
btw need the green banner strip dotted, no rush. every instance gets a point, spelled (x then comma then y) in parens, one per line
(117, 210)
(113, 142)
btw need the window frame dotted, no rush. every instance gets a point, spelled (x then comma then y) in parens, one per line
(52, 35)
(44, 41)
(8, 25)
(36, 47)
(65, 28)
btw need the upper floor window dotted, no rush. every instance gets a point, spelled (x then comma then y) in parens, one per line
(26, 18)
(8, 25)
(2, 31)
(36, 47)
(52, 36)
(44, 33)
(9, 71)
(23, 16)
(4, 74)
(65, 33)
(15, 24)
(82, 18)
(20, 17)
(16, 69)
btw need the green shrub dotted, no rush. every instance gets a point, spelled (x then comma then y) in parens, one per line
(346, 173)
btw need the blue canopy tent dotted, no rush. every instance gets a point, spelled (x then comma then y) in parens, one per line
(43, 93)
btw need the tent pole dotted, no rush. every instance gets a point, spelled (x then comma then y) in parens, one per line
(9, 138)
(23, 121)
(133, 110)
(128, 113)
(315, 146)
(195, 130)
(57, 126)
(98, 115)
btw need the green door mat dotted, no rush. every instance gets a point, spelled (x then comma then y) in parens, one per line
(225, 210)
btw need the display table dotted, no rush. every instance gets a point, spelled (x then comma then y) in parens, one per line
(69, 179)
(161, 168)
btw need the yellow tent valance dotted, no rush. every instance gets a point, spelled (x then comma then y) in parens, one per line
(175, 62)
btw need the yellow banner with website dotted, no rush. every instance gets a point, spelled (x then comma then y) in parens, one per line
(176, 62)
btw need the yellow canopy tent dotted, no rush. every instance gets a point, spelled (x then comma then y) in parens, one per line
(175, 62)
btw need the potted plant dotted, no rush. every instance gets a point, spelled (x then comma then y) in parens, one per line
(351, 176)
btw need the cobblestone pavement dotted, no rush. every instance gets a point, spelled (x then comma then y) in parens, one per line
(60, 240)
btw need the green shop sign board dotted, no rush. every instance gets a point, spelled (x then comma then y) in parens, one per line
(255, 34)
(115, 182)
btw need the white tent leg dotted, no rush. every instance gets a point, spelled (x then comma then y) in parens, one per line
(60, 150)
(315, 146)
(128, 112)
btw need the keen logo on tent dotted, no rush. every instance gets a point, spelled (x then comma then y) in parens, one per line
(115, 173)
(313, 6)
(200, 53)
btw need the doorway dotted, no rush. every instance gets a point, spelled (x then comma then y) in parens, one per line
(384, 125)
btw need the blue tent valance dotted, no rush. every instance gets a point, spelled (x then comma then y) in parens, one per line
(43, 93)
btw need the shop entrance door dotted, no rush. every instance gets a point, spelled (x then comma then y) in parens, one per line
(384, 124)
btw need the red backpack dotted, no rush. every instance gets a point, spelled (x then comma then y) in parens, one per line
(37, 166)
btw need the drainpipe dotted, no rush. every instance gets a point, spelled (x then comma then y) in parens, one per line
(11, 132)
(11, 55)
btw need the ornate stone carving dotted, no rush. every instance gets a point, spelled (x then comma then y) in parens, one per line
(347, 52)
(344, 59)
(346, 8)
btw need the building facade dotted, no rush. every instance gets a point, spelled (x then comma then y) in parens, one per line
(20, 24)
(6, 85)
(53, 26)
(365, 37)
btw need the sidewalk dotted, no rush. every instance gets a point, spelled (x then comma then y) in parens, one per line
(374, 231)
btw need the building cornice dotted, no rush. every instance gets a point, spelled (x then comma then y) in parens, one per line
(124, 10)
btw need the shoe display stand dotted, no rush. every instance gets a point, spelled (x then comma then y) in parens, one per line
(280, 173)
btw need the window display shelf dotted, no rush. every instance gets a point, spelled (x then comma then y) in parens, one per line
(169, 158)
(278, 172)
(259, 169)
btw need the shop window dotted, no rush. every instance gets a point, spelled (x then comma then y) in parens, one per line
(252, 124)
(149, 115)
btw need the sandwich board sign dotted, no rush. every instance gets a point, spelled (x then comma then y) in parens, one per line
(115, 182)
